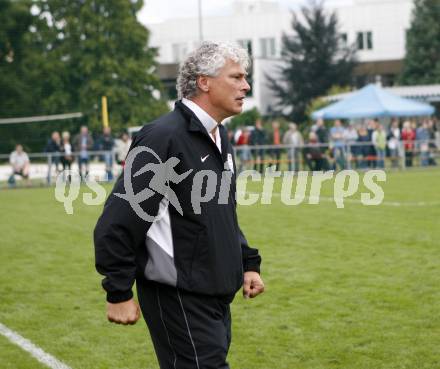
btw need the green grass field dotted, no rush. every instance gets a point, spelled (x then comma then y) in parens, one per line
(354, 288)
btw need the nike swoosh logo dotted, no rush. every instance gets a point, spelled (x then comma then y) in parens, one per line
(204, 158)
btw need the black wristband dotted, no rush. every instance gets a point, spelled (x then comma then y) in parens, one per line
(119, 296)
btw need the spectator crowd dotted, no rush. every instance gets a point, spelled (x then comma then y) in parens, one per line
(62, 152)
(358, 146)
(339, 146)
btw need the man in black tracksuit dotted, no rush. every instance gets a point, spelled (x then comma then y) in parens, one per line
(171, 224)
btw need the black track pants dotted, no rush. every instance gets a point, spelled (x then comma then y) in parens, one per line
(189, 331)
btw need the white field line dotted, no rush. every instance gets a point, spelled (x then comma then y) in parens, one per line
(26, 345)
(353, 201)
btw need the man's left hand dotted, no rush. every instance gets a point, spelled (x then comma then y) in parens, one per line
(252, 285)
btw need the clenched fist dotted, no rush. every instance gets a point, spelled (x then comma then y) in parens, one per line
(252, 285)
(126, 312)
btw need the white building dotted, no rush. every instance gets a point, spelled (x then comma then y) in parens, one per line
(378, 28)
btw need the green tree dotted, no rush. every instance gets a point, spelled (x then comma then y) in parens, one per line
(314, 58)
(422, 61)
(247, 118)
(319, 102)
(99, 48)
(60, 56)
(17, 97)
(15, 19)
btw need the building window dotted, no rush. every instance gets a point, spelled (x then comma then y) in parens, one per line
(170, 89)
(246, 44)
(364, 40)
(369, 40)
(360, 40)
(344, 39)
(267, 47)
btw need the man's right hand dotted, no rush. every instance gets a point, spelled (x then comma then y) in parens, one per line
(126, 312)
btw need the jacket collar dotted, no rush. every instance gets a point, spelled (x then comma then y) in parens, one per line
(208, 122)
(194, 124)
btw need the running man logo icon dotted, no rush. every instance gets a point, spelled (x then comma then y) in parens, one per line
(163, 174)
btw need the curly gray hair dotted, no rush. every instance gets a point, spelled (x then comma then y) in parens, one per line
(207, 60)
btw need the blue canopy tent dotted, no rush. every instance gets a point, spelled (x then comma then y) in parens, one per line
(373, 102)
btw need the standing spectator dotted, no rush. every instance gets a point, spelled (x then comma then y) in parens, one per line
(243, 137)
(244, 152)
(432, 141)
(379, 139)
(20, 163)
(408, 136)
(350, 137)
(393, 142)
(83, 143)
(322, 136)
(275, 140)
(313, 154)
(337, 134)
(422, 138)
(122, 147)
(53, 149)
(107, 143)
(363, 151)
(295, 140)
(321, 132)
(66, 151)
(238, 133)
(371, 157)
(436, 130)
(258, 137)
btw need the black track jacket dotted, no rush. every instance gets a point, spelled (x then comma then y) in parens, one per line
(201, 251)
